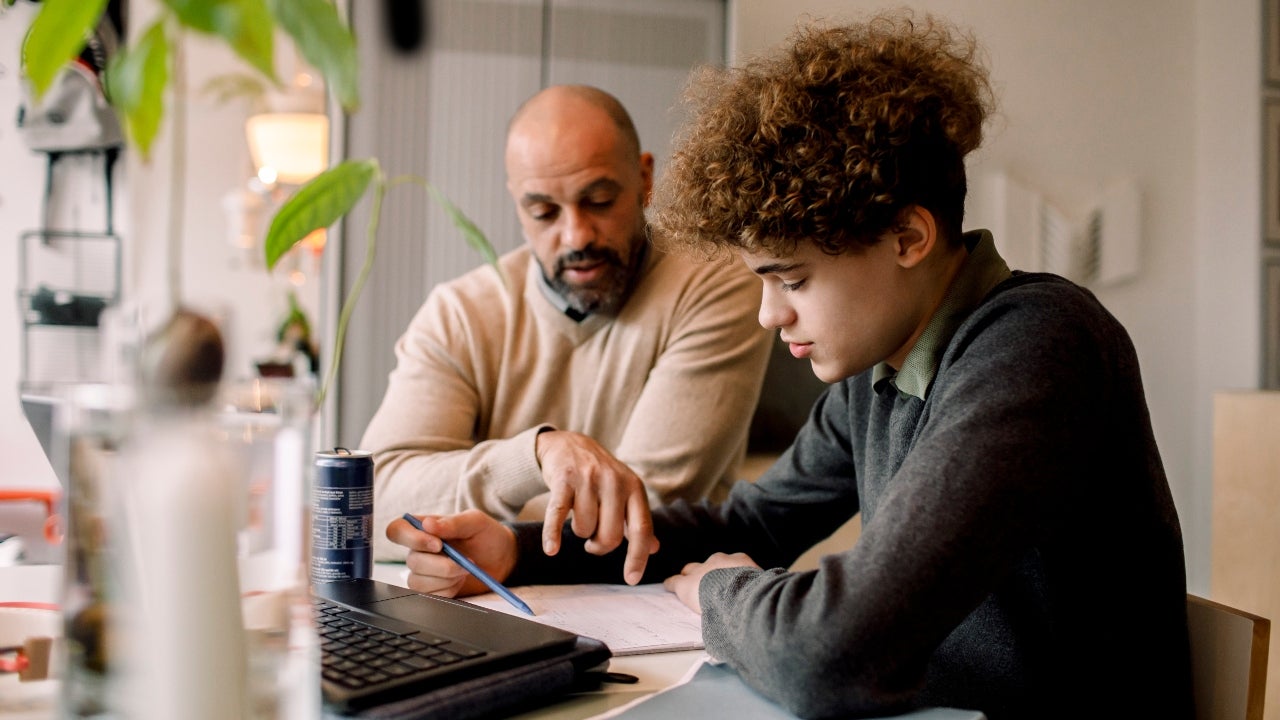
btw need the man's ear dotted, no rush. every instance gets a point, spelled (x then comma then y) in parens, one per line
(916, 236)
(646, 177)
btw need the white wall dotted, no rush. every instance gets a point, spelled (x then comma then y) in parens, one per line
(1227, 195)
(1164, 91)
(21, 174)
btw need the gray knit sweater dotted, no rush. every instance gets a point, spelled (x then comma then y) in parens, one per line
(1020, 552)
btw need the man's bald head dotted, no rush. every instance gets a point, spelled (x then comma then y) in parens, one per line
(564, 105)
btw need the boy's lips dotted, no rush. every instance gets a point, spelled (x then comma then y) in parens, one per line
(800, 350)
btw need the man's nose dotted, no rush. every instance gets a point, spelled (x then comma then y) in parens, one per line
(578, 232)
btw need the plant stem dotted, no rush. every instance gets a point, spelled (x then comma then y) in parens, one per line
(177, 184)
(371, 240)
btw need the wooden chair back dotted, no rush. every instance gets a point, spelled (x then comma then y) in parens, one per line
(1228, 660)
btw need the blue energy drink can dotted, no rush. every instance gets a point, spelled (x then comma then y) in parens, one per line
(342, 515)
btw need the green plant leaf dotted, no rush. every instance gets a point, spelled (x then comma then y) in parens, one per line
(57, 35)
(318, 204)
(233, 86)
(325, 42)
(472, 234)
(136, 79)
(245, 25)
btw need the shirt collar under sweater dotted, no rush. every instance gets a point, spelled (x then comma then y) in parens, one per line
(981, 271)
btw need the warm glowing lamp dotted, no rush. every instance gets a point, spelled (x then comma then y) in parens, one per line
(289, 148)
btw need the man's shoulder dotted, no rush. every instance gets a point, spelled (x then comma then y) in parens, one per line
(482, 281)
(676, 290)
(479, 297)
(674, 269)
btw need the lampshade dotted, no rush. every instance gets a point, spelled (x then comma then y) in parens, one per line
(294, 147)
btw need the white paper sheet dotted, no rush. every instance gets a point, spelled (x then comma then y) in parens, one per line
(630, 620)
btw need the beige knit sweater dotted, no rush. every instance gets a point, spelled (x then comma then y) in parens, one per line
(668, 385)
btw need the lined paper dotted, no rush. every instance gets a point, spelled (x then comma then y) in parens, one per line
(631, 620)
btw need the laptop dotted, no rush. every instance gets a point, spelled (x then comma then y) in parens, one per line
(381, 643)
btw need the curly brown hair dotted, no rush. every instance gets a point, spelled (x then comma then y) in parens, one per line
(828, 140)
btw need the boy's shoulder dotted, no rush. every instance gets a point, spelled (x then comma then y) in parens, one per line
(1038, 308)
(1031, 290)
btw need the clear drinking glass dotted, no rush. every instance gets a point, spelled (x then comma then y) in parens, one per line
(268, 426)
(188, 531)
(91, 424)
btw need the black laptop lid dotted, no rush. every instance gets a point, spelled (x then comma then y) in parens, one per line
(488, 641)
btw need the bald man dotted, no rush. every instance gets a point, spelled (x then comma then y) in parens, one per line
(606, 377)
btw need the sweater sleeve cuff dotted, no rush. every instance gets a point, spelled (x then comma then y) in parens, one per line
(528, 553)
(719, 602)
(514, 471)
(719, 585)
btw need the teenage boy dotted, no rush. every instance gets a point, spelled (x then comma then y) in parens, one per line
(1020, 552)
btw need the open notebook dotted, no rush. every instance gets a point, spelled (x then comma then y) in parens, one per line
(381, 643)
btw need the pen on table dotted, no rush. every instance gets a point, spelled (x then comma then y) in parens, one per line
(474, 569)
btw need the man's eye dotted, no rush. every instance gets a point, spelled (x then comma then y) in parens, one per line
(542, 214)
(600, 203)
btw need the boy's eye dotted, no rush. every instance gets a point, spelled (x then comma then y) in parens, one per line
(789, 287)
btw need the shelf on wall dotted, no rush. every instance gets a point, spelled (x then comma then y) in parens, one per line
(66, 280)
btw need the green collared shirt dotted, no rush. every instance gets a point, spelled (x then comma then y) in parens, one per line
(983, 270)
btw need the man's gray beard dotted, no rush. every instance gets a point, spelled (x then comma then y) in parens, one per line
(609, 294)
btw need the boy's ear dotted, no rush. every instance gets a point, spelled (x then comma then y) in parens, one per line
(917, 236)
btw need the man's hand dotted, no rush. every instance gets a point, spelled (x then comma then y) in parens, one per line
(685, 585)
(488, 543)
(607, 499)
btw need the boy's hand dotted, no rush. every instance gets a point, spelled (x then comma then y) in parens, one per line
(685, 585)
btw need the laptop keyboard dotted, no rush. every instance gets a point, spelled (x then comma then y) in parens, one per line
(362, 657)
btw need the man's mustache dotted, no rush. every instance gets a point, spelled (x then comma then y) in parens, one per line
(587, 255)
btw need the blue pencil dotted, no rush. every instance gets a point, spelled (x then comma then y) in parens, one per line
(474, 569)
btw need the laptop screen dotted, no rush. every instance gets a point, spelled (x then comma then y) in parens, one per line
(39, 411)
